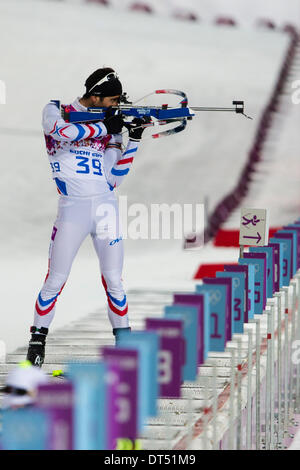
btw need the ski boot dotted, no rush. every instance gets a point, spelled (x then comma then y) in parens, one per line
(117, 332)
(36, 349)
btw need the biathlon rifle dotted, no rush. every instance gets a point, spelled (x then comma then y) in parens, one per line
(162, 115)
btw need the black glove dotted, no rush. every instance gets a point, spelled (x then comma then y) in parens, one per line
(113, 122)
(135, 127)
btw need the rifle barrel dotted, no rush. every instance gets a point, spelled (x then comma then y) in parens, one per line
(199, 108)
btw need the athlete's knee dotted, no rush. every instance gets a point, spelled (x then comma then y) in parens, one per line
(54, 282)
(112, 282)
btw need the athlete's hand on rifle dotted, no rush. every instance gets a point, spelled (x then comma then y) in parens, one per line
(113, 122)
(136, 129)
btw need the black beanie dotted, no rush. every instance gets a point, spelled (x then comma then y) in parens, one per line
(108, 88)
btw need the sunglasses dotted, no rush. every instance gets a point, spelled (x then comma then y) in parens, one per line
(110, 76)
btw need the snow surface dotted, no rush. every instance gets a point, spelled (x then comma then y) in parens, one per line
(246, 12)
(275, 186)
(52, 49)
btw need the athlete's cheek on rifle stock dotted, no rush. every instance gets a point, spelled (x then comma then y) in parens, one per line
(111, 101)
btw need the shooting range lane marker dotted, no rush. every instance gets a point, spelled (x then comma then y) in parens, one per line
(224, 396)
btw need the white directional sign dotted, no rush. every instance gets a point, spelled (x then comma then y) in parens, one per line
(254, 227)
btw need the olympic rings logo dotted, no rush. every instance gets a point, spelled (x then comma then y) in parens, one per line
(215, 296)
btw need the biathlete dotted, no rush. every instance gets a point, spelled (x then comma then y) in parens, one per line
(88, 163)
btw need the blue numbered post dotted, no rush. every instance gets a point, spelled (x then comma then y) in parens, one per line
(147, 344)
(251, 286)
(270, 266)
(285, 266)
(226, 281)
(218, 311)
(89, 379)
(25, 429)
(260, 279)
(244, 269)
(290, 235)
(278, 262)
(296, 229)
(238, 299)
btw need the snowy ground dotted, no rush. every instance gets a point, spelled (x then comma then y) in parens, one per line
(58, 47)
(275, 184)
(245, 12)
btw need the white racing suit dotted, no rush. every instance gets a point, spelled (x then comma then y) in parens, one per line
(87, 164)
